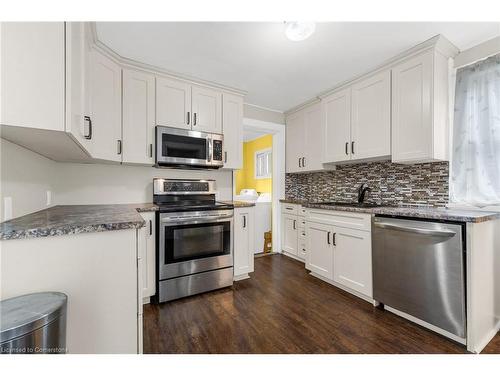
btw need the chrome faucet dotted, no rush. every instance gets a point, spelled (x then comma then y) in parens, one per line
(362, 191)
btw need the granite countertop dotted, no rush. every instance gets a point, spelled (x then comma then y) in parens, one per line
(73, 219)
(436, 213)
(240, 204)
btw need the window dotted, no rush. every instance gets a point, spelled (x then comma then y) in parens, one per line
(475, 167)
(263, 164)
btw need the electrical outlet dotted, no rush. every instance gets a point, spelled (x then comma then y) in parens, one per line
(49, 197)
(7, 208)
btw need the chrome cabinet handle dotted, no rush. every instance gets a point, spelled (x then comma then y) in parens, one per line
(352, 147)
(150, 228)
(225, 156)
(294, 224)
(430, 232)
(244, 221)
(328, 238)
(334, 239)
(347, 148)
(187, 118)
(150, 150)
(299, 164)
(194, 119)
(89, 121)
(119, 147)
(303, 162)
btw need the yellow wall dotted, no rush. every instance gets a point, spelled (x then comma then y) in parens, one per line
(245, 178)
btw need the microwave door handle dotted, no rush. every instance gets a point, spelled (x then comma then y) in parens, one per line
(210, 146)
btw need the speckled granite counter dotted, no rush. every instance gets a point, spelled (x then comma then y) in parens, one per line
(240, 204)
(437, 213)
(62, 220)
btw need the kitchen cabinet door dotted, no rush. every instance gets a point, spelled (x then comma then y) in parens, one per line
(313, 150)
(244, 242)
(32, 81)
(319, 256)
(78, 120)
(336, 113)
(148, 242)
(295, 140)
(371, 117)
(290, 234)
(412, 109)
(207, 110)
(352, 259)
(105, 107)
(173, 103)
(138, 117)
(232, 128)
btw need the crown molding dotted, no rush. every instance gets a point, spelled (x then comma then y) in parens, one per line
(438, 43)
(134, 64)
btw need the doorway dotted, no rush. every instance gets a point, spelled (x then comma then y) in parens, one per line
(262, 179)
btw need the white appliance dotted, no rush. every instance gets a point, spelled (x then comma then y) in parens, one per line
(263, 214)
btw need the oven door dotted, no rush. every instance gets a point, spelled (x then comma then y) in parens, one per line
(182, 147)
(193, 242)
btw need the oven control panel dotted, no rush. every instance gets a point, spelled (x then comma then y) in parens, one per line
(217, 149)
(182, 186)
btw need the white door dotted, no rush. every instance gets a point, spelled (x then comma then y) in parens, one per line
(243, 241)
(78, 120)
(295, 140)
(138, 117)
(148, 243)
(319, 256)
(336, 113)
(313, 154)
(290, 234)
(232, 128)
(105, 107)
(371, 117)
(207, 110)
(352, 259)
(173, 103)
(32, 74)
(412, 109)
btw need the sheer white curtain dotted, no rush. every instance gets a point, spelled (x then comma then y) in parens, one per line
(475, 169)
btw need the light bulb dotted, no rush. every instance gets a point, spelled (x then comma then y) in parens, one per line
(297, 31)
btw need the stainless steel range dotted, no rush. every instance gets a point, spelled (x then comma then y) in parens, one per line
(194, 244)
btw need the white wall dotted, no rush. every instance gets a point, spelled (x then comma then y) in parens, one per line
(25, 178)
(103, 184)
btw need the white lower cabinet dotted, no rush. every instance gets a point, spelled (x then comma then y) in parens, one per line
(352, 259)
(244, 244)
(320, 254)
(290, 234)
(293, 231)
(339, 251)
(147, 244)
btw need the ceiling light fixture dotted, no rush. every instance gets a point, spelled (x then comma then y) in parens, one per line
(297, 31)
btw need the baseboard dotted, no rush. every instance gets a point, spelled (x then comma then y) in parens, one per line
(294, 257)
(479, 348)
(424, 324)
(344, 288)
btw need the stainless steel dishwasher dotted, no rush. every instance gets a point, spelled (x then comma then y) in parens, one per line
(418, 269)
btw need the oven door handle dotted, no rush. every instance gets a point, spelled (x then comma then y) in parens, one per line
(192, 220)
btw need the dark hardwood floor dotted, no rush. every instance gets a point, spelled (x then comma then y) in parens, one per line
(282, 309)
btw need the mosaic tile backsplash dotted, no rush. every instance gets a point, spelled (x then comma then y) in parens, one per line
(391, 184)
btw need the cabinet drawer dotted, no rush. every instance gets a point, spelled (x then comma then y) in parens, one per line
(290, 208)
(344, 219)
(302, 250)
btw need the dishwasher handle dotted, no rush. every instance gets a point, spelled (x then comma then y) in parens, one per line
(403, 228)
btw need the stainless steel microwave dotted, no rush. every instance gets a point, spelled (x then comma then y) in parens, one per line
(180, 148)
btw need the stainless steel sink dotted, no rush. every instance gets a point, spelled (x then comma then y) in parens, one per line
(351, 204)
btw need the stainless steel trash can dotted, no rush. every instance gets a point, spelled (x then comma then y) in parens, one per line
(33, 324)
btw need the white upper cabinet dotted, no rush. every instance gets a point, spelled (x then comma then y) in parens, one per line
(32, 76)
(138, 117)
(232, 128)
(304, 140)
(206, 109)
(105, 107)
(371, 117)
(336, 111)
(420, 109)
(78, 120)
(173, 103)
